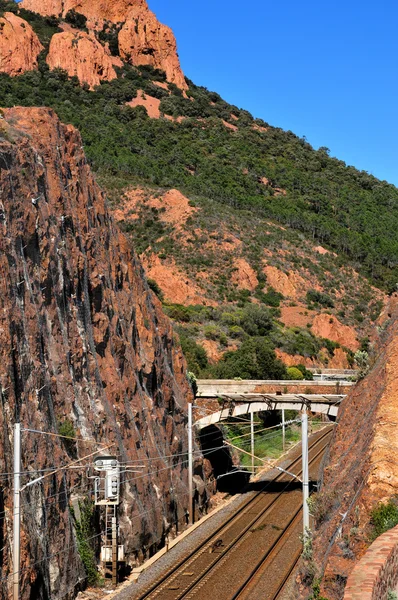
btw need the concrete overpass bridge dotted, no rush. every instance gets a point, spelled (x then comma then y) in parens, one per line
(225, 399)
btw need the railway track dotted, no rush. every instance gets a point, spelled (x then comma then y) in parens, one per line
(251, 538)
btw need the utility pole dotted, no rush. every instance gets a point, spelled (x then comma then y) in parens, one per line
(304, 443)
(17, 510)
(190, 464)
(252, 438)
(17, 499)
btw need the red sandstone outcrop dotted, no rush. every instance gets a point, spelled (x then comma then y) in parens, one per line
(297, 316)
(45, 7)
(95, 10)
(361, 468)
(83, 339)
(145, 41)
(337, 361)
(328, 326)
(175, 285)
(82, 55)
(290, 285)
(142, 39)
(244, 275)
(19, 45)
(173, 206)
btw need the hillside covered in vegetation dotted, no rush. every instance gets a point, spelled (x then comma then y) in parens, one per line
(281, 247)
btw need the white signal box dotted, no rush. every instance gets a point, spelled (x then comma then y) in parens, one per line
(107, 486)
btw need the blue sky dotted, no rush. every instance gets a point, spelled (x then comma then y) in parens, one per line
(326, 70)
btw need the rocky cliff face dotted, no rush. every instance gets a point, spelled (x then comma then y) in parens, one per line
(19, 45)
(142, 39)
(145, 41)
(82, 55)
(361, 467)
(84, 343)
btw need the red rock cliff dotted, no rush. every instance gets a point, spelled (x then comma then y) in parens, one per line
(83, 340)
(361, 467)
(142, 39)
(19, 45)
(82, 55)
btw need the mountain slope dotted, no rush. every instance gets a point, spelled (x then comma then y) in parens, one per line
(139, 128)
(220, 152)
(202, 253)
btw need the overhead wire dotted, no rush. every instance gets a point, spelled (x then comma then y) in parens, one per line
(49, 556)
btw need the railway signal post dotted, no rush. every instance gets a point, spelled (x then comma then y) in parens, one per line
(107, 493)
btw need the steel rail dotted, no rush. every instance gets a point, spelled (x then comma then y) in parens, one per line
(269, 555)
(228, 524)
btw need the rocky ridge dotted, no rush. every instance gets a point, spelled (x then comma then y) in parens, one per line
(192, 262)
(142, 40)
(84, 345)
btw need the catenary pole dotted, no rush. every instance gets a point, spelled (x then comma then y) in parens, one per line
(190, 464)
(17, 510)
(304, 443)
(283, 430)
(252, 438)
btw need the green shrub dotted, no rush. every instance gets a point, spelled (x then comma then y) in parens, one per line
(193, 313)
(223, 339)
(255, 359)
(256, 320)
(211, 332)
(195, 354)
(316, 297)
(307, 374)
(364, 344)
(156, 289)
(383, 517)
(316, 591)
(76, 19)
(236, 332)
(294, 373)
(66, 428)
(296, 341)
(178, 312)
(270, 298)
(228, 318)
(330, 345)
(85, 529)
(192, 382)
(110, 35)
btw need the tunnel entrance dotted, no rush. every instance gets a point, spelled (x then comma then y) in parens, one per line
(230, 478)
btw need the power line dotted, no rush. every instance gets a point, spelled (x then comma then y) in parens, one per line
(49, 556)
(66, 437)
